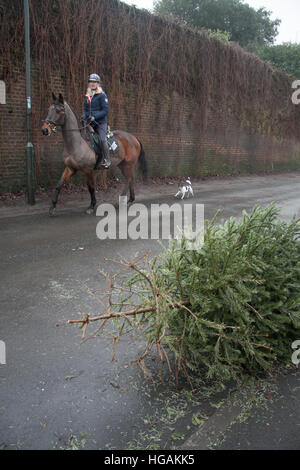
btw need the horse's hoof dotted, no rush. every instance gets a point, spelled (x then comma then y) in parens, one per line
(52, 211)
(89, 211)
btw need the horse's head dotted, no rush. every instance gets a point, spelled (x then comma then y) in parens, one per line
(56, 115)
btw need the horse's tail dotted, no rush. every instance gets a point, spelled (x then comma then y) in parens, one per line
(143, 163)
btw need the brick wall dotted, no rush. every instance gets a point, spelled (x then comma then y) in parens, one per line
(169, 127)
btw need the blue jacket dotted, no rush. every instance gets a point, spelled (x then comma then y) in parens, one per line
(96, 106)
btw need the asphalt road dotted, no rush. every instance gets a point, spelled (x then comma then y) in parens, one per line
(55, 395)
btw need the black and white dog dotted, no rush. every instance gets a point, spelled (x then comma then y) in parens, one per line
(186, 190)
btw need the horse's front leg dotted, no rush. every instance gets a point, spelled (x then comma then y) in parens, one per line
(67, 174)
(90, 180)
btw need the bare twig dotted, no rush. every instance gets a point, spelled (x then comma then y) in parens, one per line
(117, 315)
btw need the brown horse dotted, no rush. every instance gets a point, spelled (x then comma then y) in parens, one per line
(79, 156)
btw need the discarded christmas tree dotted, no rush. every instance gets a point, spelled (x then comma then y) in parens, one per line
(232, 305)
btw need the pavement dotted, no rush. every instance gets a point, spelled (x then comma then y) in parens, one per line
(55, 395)
(265, 417)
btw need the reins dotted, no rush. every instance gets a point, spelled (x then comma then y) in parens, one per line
(52, 123)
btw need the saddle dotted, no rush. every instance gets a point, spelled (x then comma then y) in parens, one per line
(95, 141)
(113, 144)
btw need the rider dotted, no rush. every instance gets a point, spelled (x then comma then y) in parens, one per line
(95, 112)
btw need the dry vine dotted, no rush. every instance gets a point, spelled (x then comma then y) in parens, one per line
(147, 54)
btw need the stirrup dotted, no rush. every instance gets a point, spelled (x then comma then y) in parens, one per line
(106, 164)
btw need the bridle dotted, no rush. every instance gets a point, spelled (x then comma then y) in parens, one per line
(53, 126)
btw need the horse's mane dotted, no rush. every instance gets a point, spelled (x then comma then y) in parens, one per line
(74, 112)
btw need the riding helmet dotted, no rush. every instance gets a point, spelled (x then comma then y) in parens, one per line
(94, 78)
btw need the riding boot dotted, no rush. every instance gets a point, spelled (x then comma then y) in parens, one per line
(106, 158)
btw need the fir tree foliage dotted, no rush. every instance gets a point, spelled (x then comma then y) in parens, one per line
(232, 305)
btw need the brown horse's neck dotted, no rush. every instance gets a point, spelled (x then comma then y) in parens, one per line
(71, 136)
